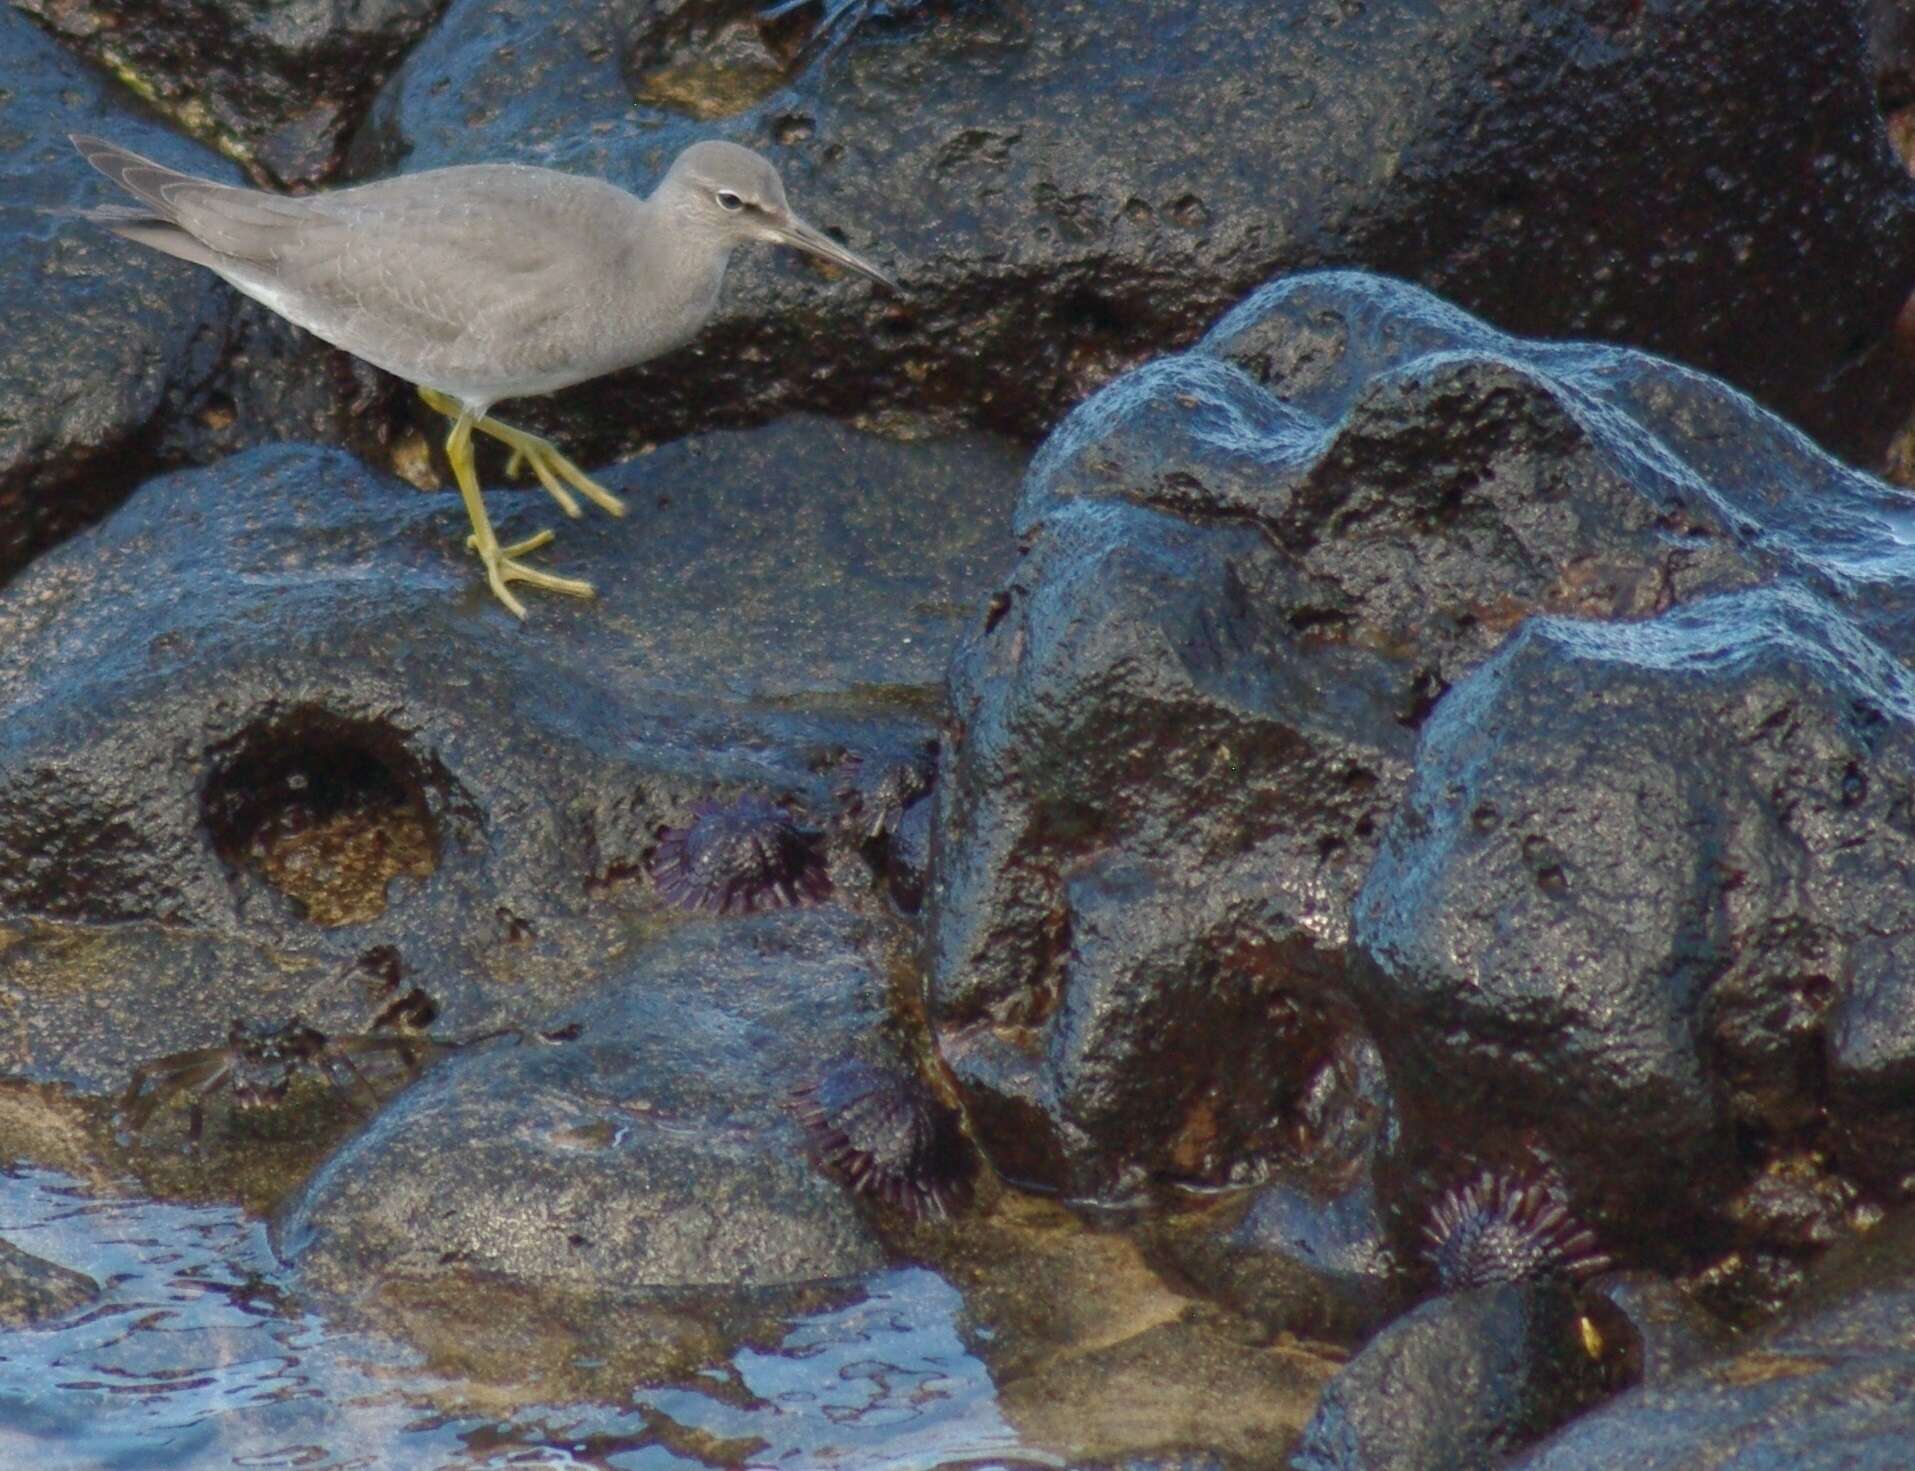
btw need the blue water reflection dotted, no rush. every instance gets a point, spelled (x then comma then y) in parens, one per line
(191, 1359)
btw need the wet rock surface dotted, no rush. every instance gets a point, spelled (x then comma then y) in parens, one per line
(267, 719)
(650, 1153)
(1677, 926)
(1403, 755)
(1486, 152)
(1666, 1331)
(1182, 726)
(1464, 1380)
(1299, 1256)
(1830, 1386)
(107, 349)
(34, 1290)
(280, 83)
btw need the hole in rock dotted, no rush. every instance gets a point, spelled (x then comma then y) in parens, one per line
(326, 809)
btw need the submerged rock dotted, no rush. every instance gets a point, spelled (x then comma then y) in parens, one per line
(34, 1291)
(1296, 1257)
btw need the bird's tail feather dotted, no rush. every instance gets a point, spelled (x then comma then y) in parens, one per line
(141, 177)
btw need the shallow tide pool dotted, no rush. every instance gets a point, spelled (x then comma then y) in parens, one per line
(193, 1356)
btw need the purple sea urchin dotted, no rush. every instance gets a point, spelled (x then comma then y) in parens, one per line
(884, 1134)
(1497, 1229)
(735, 857)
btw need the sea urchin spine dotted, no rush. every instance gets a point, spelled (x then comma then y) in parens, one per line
(1497, 1229)
(738, 857)
(885, 1135)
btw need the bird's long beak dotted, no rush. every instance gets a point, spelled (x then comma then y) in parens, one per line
(795, 231)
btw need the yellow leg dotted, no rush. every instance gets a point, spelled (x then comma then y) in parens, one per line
(541, 454)
(501, 564)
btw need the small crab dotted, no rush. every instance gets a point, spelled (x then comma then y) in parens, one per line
(257, 1066)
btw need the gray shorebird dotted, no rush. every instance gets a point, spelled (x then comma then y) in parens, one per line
(481, 282)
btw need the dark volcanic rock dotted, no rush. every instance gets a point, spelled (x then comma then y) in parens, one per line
(1830, 1388)
(658, 1150)
(1463, 1381)
(267, 718)
(1667, 1332)
(1297, 1259)
(105, 344)
(1650, 896)
(1497, 153)
(1183, 725)
(33, 1290)
(281, 82)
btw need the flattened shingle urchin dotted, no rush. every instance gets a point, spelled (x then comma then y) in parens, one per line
(886, 1135)
(1497, 1229)
(736, 857)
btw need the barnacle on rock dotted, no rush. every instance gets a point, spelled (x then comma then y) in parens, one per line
(1497, 1229)
(735, 857)
(884, 1134)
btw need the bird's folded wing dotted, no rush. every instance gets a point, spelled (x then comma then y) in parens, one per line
(468, 252)
(419, 272)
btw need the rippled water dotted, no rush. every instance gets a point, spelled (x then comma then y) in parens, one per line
(192, 1357)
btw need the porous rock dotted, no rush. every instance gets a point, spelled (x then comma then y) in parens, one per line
(282, 84)
(267, 718)
(1252, 572)
(1495, 153)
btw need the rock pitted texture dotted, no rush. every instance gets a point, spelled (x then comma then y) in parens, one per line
(282, 83)
(106, 347)
(267, 718)
(1184, 725)
(1647, 907)
(653, 1151)
(1497, 153)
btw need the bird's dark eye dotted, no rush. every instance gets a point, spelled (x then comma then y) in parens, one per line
(729, 200)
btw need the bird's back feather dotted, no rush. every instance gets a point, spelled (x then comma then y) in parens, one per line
(478, 279)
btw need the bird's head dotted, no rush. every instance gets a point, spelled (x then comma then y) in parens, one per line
(728, 191)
